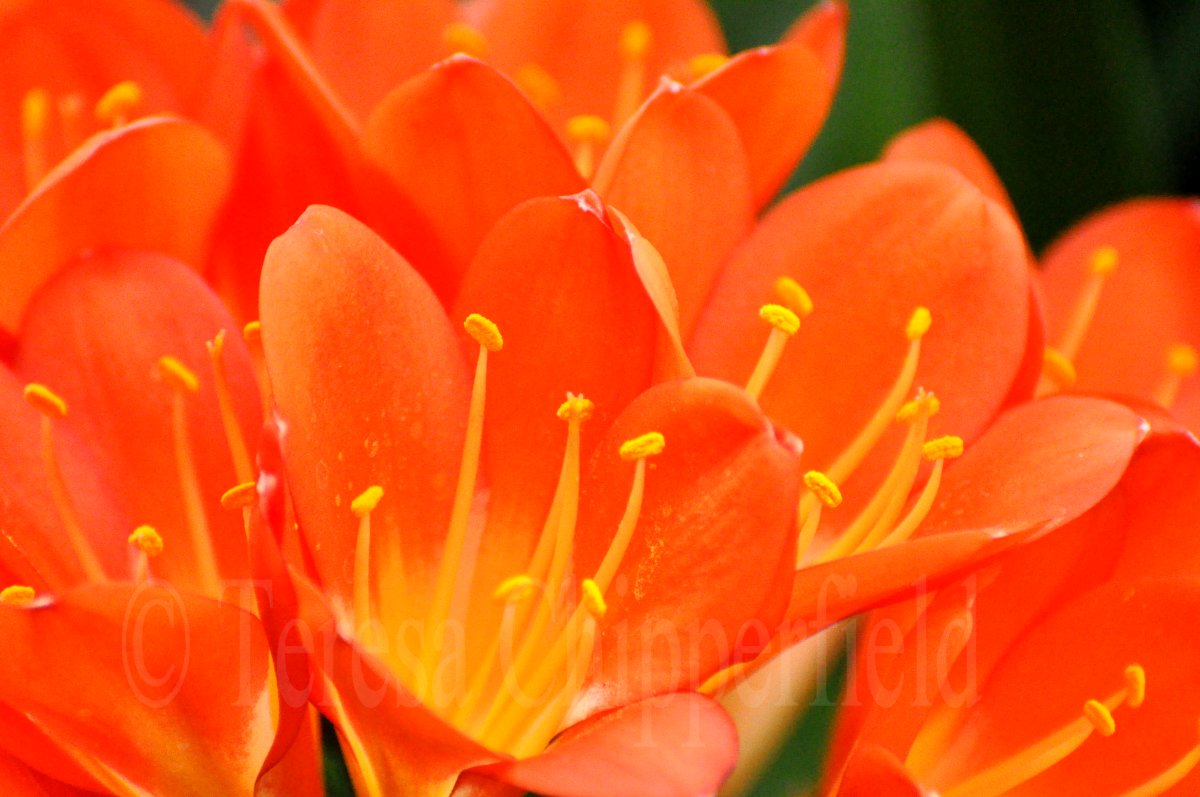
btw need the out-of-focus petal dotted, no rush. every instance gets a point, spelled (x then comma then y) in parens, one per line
(95, 335)
(875, 772)
(188, 674)
(706, 571)
(372, 390)
(778, 98)
(155, 184)
(1147, 304)
(460, 147)
(870, 245)
(677, 745)
(822, 29)
(679, 172)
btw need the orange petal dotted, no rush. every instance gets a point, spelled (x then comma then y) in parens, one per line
(1147, 304)
(870, 245)
(1079, 653)
(941, 141)
(560, 282)
(461, 147)
(175, 698)
(672, 746)
(372, 389)
(710, 560)
(154, 185)
(778, 98)
(367, 49)
(26, 754)
(822, 29)
(83, 48)
(578, 44)
(665, 171)
(875, 772)
(95, 334)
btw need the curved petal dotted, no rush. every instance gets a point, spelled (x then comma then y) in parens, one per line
(28, 748)
(578, 44)
(870, 245)
(942, 141)
(706, 573)
(778, 98)
(822, 29)
(95, 335)
(560, 282)
(666, 171)
(1146, 305)
(460, 147)
(371, 387)
(155, 184)
(175, 698)
(875, 772)
(1077, 654)
(677, 745)
(82, 48)
(367, 49)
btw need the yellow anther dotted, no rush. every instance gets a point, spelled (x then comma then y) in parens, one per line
(45, 400)
(178, 375)
(793, 296)
(575, 408)
(17, 595)
(929, 404)
(1103, 261)
(147, 540)
(706, 63)
(1100, 717)
(823, 488)
(1182, 359)
(35, 113)
(589, 128)
(635, 40)
(780, 317)
(366, 501)
(484, 332)
(650, 444)
(948, 447)
(1135, 685)
(252, 332)
(515, 589)
(240, 496)
(593, 598)
(460, 37)
(541, 89)
(918, 324)
(117, 103)
(1058, 368)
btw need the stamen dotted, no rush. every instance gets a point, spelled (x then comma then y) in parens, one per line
(784, 323)
(459, 37)
(636, 39)
(17, 595)
(648, 445)
(515, 589)
(487, 335)
(252, 334)
(939, 451)
(1058, 369)
(705, 64)
(538, 85)
(1135, 685)
(853, 455)
(1101, 718)
(52, 408)
(948, 447)
(118, 102)
(233, 432)
(589, 133)
(183, 383)
(1168, 778)
(35, 117)
(793, 296)
(823, 492)
(1181, 363)
(823, 488)
(149, 545)
(362, 507)
(1102, 263)
(240, 496)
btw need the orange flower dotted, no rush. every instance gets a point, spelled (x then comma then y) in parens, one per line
(136, 662)
(1015, 682)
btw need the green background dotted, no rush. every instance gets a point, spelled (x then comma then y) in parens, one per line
(1079, 103)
